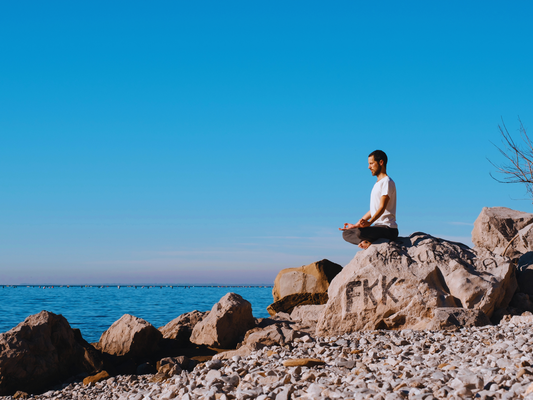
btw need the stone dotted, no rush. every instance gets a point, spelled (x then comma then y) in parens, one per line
(180, 329)
(226, 324)
(21, 395)
(182, 361)
(398, 285)
(495, 227)
(96, 378)
(130, 336)
(308, 314)
(38, 353)
(312, 278)
(452, 317)
(303, 362)
(288, 303)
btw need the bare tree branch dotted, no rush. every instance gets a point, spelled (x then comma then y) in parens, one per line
(519, 165)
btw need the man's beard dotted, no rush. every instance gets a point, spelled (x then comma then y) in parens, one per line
(378, 171)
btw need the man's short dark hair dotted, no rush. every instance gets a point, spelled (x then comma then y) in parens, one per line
(378, 156)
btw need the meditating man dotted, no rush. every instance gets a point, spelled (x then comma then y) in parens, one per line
(382, 208)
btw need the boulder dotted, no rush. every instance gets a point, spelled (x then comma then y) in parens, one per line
(496, 227)
(38, 353)
(130, 336)
(398, 285)
(226, 323)
(289, 302)
(180, 329)
(308, 314)
(312, 278)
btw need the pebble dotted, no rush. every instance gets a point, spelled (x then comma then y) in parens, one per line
(491, 362)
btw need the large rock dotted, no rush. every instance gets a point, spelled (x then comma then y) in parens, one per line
(226, 324)
(400, 284)
(180, 329)
(130, 336)
(289, 302)
(312, 278)
(38, 353)
(495, 227)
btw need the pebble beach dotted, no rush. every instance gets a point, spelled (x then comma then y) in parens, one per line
(490, 362)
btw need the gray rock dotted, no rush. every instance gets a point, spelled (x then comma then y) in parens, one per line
(399, 285)
(227, 322)
(130, 336)
(495, 227)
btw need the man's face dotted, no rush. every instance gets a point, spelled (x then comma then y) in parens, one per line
(374, 166)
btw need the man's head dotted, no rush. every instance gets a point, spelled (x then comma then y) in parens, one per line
(377, 162)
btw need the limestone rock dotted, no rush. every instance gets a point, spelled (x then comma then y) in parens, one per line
(130, 336)
(289, 302)
(452, 317)
(307, 314)
(312, 278)
(180, 329)
(39, 352)
(495, 227)
(399, 285)
(227, 322)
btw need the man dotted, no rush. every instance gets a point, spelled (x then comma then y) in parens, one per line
(382, 208)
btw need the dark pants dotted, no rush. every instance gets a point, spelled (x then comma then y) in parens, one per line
(370, 234)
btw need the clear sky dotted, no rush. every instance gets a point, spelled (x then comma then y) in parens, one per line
(221, 141)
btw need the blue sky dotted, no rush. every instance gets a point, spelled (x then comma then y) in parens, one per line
(219, 142)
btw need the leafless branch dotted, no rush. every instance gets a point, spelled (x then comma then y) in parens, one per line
(519, 165)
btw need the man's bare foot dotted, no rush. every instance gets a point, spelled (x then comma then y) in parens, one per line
(365, 244)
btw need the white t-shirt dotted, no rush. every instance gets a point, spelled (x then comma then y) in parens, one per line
(384, 187)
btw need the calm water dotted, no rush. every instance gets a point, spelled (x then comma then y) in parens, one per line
(93, 309)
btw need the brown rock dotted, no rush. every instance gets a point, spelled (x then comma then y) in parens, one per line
(39, 352)
(21, 395)
(96, 378)
(452, 317)
(130, 336)
(180, 329)
(226, 324)
(495, 227)
(303, 362)
(182, 361)
(288, 303)
(165, 371)
(399, 285)
(312, 278)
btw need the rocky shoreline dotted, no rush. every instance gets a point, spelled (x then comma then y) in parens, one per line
(417, 318)
(490, 362)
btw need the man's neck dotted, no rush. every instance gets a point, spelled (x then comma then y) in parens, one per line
(382, 175)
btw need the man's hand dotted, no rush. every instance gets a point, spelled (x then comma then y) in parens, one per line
(347, 226)
(363, 223)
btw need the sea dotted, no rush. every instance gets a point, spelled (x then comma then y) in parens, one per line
(93, 309)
